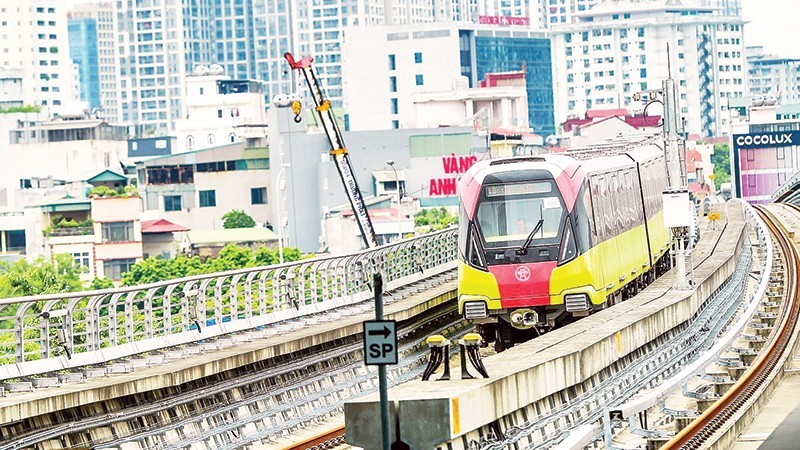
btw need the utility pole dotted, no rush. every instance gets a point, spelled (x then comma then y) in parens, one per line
(678, 210)
(677, 205)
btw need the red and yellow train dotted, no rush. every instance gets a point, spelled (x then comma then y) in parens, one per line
(546, 238)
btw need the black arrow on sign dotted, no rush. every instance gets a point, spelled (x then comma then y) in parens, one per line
(385, 332)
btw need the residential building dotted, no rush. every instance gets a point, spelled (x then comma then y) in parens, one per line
(388, 65)
(196, 188)
(94, 47)
(220, 110)
(161, 42)
(497, 107)
(765, 150)
(770, 75)
(42, 155)
(31, 42)
(603, 125)
(45, 159)
(389, 223)
(617, 49)
(103, 234)
(11, 93)
(635, 120)
(161, 238)
(558, 12)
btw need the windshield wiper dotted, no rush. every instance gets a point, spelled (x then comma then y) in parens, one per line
(523, 250)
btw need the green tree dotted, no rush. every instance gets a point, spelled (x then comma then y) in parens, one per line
(101, 283)
(237, 219)
(230, 258)
(722, 164)
(435, 218)
(39, 277)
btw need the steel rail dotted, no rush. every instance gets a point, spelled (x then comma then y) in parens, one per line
(710, 421)
(321, 441)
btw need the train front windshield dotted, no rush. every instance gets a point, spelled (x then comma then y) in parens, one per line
(508, 213)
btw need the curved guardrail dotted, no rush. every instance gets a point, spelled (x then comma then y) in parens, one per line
(656, 395)
(787, 189)
(41, 334)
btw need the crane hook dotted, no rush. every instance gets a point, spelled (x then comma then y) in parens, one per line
(297, 108)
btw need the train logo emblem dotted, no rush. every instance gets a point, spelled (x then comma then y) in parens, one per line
(523, 273)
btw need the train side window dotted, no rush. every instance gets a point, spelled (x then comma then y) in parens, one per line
(597, 212)
(608, 208)
(617, 220)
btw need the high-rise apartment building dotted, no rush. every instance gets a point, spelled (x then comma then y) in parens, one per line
(387, 65)
(31, 37)
(772, 75)
(559, 12)
(95, 50)
(619, 48)
(161, 41)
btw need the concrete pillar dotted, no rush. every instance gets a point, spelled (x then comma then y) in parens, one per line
(505, 108)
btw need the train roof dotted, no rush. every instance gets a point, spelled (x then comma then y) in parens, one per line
(555, 164)
(619, 152)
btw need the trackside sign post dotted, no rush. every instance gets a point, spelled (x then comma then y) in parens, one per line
(380, 349)
(380, 342)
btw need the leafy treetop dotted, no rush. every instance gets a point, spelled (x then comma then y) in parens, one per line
(237, 219)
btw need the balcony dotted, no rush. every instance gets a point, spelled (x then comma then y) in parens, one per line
(71, 231)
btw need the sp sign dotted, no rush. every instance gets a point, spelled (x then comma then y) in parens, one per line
(380, 342)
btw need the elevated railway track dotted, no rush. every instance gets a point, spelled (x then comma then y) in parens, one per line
(277, 402)
(713, 427)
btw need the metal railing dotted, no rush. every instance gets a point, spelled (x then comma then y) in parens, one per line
(41, 334)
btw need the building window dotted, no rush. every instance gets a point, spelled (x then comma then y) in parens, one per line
(15, 241)
(395, 124)
(117, 231)
(208, 198)
(115, 268)
(418, 57)
(394, 105)
(392, 64)
(232, 137)
(189, 142)
(172, 203)
(392, 84)
(258, 196)
(81, 259)
(211, 139)
(420, 81)
(219, 114)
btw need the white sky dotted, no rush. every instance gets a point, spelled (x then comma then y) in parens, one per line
(774, 25)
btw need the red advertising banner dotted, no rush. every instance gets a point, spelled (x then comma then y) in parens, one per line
(504, 20)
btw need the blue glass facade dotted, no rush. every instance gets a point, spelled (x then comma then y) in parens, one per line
(508, 54)
(83, 50)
